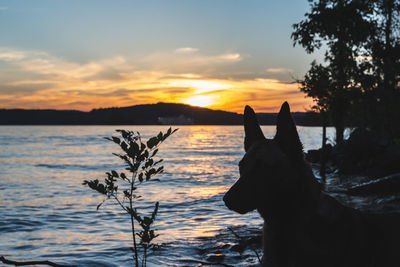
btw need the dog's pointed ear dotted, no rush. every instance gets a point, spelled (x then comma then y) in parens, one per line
(286, 133)
(252, 129)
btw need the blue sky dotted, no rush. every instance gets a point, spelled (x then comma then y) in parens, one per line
(89, 54)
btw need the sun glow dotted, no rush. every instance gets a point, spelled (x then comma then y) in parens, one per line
(200, 100)
(203, 93)
(201, 86)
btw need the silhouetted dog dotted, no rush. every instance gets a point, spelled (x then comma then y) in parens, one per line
(303, 225)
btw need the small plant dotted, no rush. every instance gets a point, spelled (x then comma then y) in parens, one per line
(139, 160)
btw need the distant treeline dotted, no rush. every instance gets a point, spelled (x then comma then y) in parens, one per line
(151, 114)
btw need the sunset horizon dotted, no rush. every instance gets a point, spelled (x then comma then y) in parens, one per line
(271, 109)
(96, 91)
(116, 55)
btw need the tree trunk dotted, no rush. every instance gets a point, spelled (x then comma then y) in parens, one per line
(341, 100)
(388, 72)
(339, 132)
(322, 170)
(338, 114)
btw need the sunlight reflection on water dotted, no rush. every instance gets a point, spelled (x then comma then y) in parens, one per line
(46, 212)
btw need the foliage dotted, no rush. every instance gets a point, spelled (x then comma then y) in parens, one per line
(380, 69)
(317, 84)
(342, 27)
(138, 157)
(362, 41)
(337, 22)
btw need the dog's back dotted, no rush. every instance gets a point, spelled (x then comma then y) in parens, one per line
(333, 235)
(384, 238)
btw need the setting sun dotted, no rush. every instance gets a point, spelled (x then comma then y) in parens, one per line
(200, 100)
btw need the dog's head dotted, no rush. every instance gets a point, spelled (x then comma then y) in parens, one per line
(267, 170)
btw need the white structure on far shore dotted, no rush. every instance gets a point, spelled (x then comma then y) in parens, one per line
(179, 120)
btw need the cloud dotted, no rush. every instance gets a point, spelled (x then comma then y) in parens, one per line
(80, 103)
(278, 70)
(23, 88)
(2, 8)
(9, 56)
(186, 50)
(183, 75)
(217, 59)
(42, 63)
(193, 62)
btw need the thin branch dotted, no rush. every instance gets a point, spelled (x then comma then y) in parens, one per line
(132, 184)
(119, 202)
(24, 263)
(133, 229)
(234, 233)
(242, 239)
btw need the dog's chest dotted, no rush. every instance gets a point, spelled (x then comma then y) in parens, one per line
(298, 242)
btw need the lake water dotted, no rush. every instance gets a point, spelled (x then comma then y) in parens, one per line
(46, 212)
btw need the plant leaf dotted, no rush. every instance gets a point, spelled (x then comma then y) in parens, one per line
(116, 140)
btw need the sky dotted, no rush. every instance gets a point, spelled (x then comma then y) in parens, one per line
(221, 54)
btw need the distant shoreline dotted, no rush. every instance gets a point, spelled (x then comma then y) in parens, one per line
(150, 114)
(178, 125)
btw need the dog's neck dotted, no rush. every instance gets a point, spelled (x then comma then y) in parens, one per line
(300, 200)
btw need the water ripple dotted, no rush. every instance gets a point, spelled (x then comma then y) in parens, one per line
(46, 213)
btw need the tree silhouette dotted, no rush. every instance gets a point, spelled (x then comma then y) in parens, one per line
(317, 84)
(380, 67)
(342, 27)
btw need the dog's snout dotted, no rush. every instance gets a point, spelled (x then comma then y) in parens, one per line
(226, 199)
(239, 198)
(229, 200)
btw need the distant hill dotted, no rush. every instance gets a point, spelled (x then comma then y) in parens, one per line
(151, 114)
